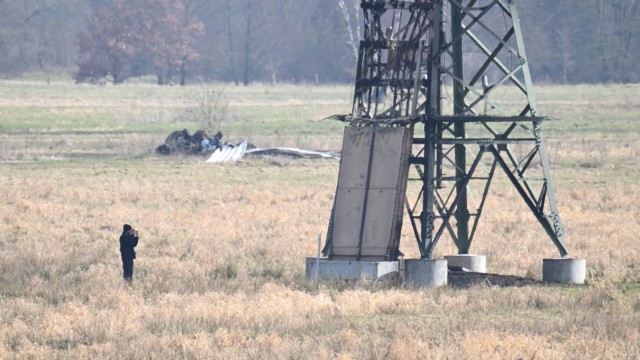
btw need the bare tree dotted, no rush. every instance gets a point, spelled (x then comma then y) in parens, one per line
(27, 42)
(110, 44)
(230, 41)
(169, 35)
(211, 107)
(127, 37)
(566, 50)
(282, 40)
(351, 15)
(617, 34)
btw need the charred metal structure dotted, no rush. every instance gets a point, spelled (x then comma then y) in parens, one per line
(455, 75)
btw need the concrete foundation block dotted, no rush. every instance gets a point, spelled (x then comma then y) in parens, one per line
(564, 270)
(426, 272)
(475, 263)
(350, 270)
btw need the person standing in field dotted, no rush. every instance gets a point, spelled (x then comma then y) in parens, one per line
(128, 241)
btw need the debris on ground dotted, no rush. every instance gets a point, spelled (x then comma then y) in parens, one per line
(290, 153)
(181, 142)
(200, 143)
(228, 152)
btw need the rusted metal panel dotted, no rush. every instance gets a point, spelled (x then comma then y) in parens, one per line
(351, 192)
(354, 161)
(347, 217)
(387, 163)
(371, 188)
(378, 224)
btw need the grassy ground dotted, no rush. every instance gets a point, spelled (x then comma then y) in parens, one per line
(60, 119)
(220, 271)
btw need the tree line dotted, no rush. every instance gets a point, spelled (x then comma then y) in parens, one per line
(244, 41)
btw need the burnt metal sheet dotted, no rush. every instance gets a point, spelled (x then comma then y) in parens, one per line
(378, 224)
(387, 162)
(347, 217)
(369, 198)
(354, 161)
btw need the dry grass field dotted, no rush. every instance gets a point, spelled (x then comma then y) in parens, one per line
(220, 268)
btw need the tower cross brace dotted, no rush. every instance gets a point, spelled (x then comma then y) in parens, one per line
(457, 74)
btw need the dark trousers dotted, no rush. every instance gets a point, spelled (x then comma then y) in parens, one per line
(127, 267)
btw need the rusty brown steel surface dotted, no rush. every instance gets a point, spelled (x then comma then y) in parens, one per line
(370, 194)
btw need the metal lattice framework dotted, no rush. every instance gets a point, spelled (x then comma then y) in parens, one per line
(428, 64)
(388, 59)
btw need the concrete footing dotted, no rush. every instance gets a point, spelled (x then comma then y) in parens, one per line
(564, 270)
(426, 272)
(350, 270)
(475, 263)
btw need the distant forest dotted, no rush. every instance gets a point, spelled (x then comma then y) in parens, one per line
(244, 41)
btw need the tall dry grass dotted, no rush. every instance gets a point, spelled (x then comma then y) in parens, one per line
(220, 268)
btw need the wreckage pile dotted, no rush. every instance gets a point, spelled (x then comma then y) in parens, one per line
(183, 143)
(200, 143)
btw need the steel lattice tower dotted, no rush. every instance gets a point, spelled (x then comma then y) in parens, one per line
(456, 72)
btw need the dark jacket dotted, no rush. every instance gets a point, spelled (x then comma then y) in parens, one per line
(128, 241)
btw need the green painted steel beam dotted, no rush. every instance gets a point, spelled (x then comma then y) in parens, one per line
(462, 213)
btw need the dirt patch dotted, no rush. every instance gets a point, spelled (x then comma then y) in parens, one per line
(467, 279)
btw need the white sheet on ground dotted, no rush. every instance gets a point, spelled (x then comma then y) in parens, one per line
(290, 152)
(228, 153)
